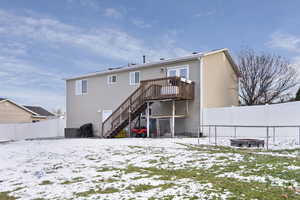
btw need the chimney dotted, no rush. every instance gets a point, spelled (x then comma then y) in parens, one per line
(144, 59)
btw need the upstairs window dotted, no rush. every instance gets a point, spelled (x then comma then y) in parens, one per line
(111, 79)
(81, 87)
(172, 72)
(183, 73)
(180, 71)
(134, 78)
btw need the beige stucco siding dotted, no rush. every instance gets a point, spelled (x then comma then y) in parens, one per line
(10, 113)
(220, 82)
(101, 96)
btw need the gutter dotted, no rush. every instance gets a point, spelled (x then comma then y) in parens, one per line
(38, 116)
(140, 66)
(161, 62)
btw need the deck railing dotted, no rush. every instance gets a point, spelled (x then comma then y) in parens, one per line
(155, 89)
(169, 88)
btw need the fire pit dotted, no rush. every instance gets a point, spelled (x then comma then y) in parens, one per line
(247, 143)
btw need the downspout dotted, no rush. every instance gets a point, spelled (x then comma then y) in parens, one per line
(201, 94)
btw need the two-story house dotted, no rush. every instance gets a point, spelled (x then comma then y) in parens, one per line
(171, 93)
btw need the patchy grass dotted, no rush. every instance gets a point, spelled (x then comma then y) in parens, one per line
(104, 169)
(6, 196)
(253, 164)
(18, 188)
(136, 147)
(236, 187)
(286, 150)
(97, 191)
(145, 187)
(152, 161)
(141, 188)
(172, 171)
(73, 180)
(109, 180)
(46, 182)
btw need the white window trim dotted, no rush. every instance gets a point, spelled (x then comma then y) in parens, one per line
(108, 79)
(178, 68)
(130, 82)
(78, 84)
(78, 87)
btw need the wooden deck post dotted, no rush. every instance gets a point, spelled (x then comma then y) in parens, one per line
(148, 119)
(129, 121)
(267, 138)
(173, 118)
(129, 117)
(102, 129)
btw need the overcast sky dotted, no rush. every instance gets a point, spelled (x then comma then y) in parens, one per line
(42, 42)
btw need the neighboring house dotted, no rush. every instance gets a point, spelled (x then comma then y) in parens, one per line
(41, 112)
(11, 112)
(153, 90)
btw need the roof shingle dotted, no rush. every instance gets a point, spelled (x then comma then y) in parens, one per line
(39, 110)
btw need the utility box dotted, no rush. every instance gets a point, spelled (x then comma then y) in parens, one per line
(72, 132)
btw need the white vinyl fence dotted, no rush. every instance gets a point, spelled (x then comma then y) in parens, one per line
(44, 129)
(283, 121)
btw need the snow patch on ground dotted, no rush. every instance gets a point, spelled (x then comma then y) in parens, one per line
(56, 169)
(274, 181)
(112, 168)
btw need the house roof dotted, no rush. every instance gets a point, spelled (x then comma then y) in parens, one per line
(36, 111)
(39, 111)
(20, 106)
(166, 61)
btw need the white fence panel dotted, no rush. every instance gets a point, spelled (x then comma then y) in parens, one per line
(44, 129)
(7, 132)
(285, 114)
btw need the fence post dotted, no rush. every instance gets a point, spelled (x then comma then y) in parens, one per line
(234, 131)
(209, 134)
(15, 131)
(299, 134)
(198, 135)
(267, 137)
(274, 135)
(216, 135)
(58, 126)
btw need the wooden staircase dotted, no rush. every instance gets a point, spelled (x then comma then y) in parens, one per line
(173, 88)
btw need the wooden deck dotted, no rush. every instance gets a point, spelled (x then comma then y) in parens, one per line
(168, 88)
(171, 88)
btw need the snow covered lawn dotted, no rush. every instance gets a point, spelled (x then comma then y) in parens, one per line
(145, 169)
